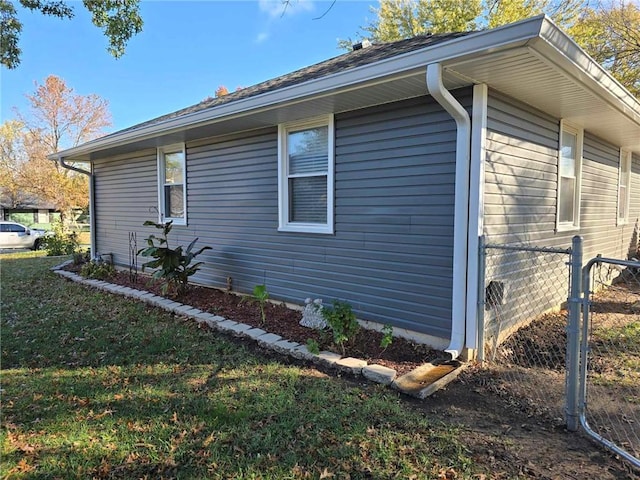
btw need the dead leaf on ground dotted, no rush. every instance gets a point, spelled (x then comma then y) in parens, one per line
(22, 467)
(448, 474)
(326, 474)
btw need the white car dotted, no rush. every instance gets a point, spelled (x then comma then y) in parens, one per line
(15, 235)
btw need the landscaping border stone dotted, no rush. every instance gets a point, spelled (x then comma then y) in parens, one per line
(408, 384)
(379, 374)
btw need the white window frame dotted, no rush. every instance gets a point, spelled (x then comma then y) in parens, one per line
(579, 133)
(284, 225)
(162, 151)
(625, 161)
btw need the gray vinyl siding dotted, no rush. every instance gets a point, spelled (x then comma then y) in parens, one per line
(521, 183)
(520, 188)
(126, 193)
(391, 255)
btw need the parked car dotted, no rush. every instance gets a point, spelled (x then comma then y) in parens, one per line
(15, 235)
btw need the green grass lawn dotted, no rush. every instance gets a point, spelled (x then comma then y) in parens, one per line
(97, 386)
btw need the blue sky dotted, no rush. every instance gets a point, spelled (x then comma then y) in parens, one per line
(186, 50)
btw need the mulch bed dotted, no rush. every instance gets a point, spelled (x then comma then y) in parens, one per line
(402, 355)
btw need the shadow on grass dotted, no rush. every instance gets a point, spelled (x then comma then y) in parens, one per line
(97, 386)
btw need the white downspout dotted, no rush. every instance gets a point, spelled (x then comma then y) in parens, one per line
(92, 212)
(461, 208)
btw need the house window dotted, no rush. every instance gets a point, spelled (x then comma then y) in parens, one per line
(172, 184)
(569, 170)
(624, 186)
(305, 183)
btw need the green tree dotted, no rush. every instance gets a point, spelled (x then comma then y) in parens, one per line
(501, 12)
(118, 19)
(612, 37)
(397, 19)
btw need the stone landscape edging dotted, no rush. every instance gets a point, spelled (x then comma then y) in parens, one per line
(355, 366)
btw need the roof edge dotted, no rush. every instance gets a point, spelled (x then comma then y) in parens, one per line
(487, 41)
(555, 47)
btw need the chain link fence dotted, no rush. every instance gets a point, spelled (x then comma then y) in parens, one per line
(562, 341)
(610, 395)
(524, 320)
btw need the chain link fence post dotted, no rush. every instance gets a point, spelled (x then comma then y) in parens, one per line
(574, 304)
(481, 298)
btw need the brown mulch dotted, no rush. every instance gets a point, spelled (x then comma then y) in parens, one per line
(402, 355)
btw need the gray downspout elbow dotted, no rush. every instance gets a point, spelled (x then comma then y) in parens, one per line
(437, 90)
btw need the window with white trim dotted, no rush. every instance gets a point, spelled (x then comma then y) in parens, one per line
(624, 186)
(569, 177)
(305, 176)
(172, 191)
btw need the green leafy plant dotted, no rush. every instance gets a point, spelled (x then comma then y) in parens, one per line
(80, 258)
(313, 346)
(174, 265)
(97, 270)
(261, 295)
(387, 337)
(60, 242)
(342, 322)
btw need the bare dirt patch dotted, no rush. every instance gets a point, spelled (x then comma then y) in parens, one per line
(527, 372)
(511, 442)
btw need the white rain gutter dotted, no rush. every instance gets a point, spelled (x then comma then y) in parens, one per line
(461, 208)
(92, 216)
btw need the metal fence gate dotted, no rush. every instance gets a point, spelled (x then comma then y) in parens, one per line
(562, 342)
(610, 369)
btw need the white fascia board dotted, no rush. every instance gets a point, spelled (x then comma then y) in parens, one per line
(559, 50)
(489, 41)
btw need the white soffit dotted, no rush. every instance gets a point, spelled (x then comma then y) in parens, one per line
(535, 75)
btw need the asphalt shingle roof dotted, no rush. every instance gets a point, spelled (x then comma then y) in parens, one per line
(346, 61)
(24, 201)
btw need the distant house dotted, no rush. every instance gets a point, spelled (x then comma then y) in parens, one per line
(370, 177)
(27, 209)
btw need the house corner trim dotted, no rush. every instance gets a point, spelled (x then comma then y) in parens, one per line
(476, 211)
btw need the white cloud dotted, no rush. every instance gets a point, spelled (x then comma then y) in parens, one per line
(275, 9)
(262, 37)
(278, 8)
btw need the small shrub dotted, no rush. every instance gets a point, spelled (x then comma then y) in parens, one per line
(261, 295)
(173, 264)
(313, 346)
(80, 258)
(98, 270)
(60, 242)
(387, 337)
(342, 322)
